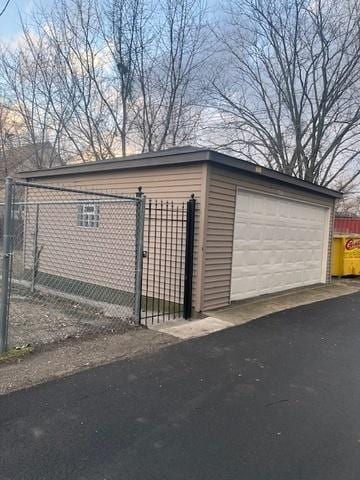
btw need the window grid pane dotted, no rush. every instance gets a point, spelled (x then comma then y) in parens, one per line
(88, 216)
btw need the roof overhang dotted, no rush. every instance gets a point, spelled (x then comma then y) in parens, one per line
(180, 156)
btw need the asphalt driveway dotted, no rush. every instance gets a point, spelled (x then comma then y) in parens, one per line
(277, 398)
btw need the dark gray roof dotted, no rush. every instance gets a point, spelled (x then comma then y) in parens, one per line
(178, 156)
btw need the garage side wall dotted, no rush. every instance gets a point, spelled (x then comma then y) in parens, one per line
(219, 218)
(173, 184)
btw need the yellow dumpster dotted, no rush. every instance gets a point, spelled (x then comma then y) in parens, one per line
(345, 255)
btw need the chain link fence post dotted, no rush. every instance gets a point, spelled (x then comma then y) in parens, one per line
(140, 218)
(6, 265)
(36, 254)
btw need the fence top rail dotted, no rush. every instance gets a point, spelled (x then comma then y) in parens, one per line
(57, 188)
(70, 202)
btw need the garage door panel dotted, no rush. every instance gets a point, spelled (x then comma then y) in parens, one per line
(278, 244)
(267, 258)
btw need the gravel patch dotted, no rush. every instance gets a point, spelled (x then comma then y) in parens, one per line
(43, 318)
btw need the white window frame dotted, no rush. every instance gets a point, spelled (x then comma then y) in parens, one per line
(88, 215)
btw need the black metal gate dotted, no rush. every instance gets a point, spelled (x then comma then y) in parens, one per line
(168, 260)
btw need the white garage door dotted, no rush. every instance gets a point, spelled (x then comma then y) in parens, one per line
(278, 244)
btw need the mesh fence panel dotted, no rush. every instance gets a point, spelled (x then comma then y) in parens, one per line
(73, 264)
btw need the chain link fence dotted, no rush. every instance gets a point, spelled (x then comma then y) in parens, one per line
(72, 263)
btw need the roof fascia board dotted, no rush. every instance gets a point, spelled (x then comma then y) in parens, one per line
(114, 165)
(264, 172)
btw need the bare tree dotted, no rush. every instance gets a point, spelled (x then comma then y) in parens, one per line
(134, 63)
(122, 29)
(22, 81)
(98, 80)
(4, 8)
(288, 93)
(10, 134)
(349, 205)
(72, 31)
(168, 67)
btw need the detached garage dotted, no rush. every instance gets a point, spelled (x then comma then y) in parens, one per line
(257, 231)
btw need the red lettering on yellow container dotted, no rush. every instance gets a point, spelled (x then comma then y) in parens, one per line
(352, 244)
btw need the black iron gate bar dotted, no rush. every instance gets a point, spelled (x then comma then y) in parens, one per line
(189, 256)
(167, 272)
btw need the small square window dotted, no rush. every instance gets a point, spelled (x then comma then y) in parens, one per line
(88, 215)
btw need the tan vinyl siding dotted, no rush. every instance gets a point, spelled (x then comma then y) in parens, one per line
(173, 184)
(221, 198)
(219, 239)
(102, 255)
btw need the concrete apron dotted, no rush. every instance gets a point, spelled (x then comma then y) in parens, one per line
(244, 311)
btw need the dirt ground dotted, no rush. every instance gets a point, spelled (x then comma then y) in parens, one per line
(65, 358)
(42, 319)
